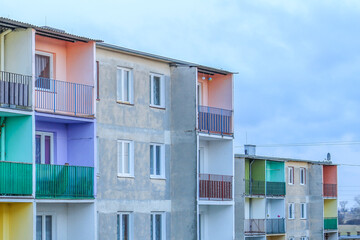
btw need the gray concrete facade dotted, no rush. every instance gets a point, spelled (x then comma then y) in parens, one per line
(239, 181)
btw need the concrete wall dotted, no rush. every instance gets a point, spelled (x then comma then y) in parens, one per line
(19, 51)
(218, 222)
(275, 208)
(239, 190)
(143, 125)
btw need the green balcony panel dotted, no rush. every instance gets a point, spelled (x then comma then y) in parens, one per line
(275, 188)
(64, 182)
(254, 187)
(330, 223)
(15, 179)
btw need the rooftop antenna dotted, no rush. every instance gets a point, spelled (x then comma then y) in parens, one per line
(328, 157)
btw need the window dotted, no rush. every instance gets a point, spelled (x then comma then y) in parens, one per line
(157, 161)
(291, 175)
(291, 238)
(45, 227)
(44, 148)
(43, 70)
(303, 210)
(125, 158)
(157, 226)
(302, 176)
(157, 90)
(303, 238)
(124, 85)
(291, 211)
(124, 226)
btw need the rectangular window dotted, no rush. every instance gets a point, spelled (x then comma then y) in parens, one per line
(302, 176)
(124, 85)
(157, 90)
(157, 161)
(157, 226)
(44, 227)
(124, 226)
(303, 210)
(304, 238)
(44, 148)
(291, 175)
(125, 158)
(291, 211)
(43, 70)
(291, 238)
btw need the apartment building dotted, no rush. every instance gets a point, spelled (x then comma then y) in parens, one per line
(284, 198)
(165, 147)
(48, 131)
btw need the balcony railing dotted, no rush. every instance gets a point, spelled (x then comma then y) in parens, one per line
(63, 97)
(275, 225)
(254, 226)
(15, 90)
(254, 187)
(15, 178)
(330, 223)
(215, 120)
(275, 188)
(330, 190)
(215, 187)
(64, 182)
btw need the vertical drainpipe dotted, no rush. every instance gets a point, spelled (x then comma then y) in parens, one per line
(2, 145)
(2, 51)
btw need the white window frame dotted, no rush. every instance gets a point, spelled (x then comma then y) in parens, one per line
(43, 223)
(51, 56)
(119, 224)
(303, 238)
(163, 224)
(42, 145)
(302, 176)
(303, 211)
(291, 211)
(120, 159)
(162, 161)
(162, 90)
(130, 86)
(291, 175)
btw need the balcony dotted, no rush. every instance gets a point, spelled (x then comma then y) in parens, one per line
(254, 187)
(215, 120)
(15, 179)
(254, 226)
(64, 97)
(15, 91)
(330, 190)
(275, 188)
(215, 187)
(64, 182)
(330, 223)
(275, 225)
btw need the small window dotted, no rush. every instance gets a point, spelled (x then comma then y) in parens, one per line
(304, 238)
(291, 211)
(291, 238)
(303, 211)
(124, 85)
(43, 70)
(302, 176)
(44, 148)
(124, 226)
(157, 90)
(125, 158)
(45, 227)
(291, 175)
(157, 161)
(157, 226)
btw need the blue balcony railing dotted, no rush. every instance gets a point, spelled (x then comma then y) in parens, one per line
(215, 120)
(63, 97)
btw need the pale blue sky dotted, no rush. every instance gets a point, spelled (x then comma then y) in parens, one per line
(298, 61)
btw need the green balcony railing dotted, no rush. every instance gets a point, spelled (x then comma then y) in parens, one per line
(15, 178)
(275, 188)
(330, 223)
(64, 182)
(254, 187)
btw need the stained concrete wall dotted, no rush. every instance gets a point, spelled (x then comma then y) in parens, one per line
(143, 125)
(184, 153)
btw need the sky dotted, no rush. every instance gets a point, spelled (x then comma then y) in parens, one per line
(297, 63)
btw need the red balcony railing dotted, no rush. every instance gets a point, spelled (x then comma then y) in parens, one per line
(330, 190)
(215, 187)
(254, 226)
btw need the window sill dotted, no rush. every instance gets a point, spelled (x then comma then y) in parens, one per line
(157, 177)
(157, 107)
(290, 184)
(125, 103)
(125, 176)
